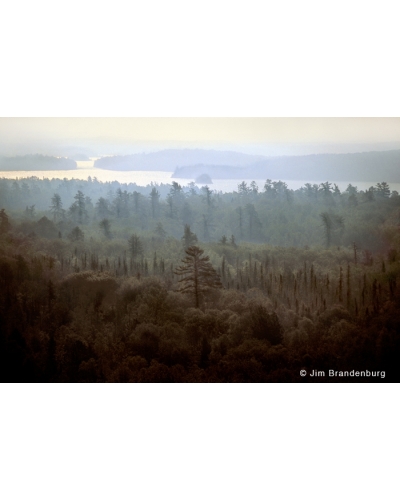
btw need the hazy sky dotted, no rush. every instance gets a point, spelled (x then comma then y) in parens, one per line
(155, 133)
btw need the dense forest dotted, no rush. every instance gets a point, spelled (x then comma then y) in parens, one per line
(116, 282)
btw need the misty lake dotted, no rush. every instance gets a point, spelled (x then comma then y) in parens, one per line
(144, 178)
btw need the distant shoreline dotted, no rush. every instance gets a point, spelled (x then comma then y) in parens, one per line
(149, 178)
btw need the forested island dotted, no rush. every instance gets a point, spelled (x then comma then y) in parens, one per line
(169, 159)
(109, 282)
(338, 167)
(192, 163)
(36, 162)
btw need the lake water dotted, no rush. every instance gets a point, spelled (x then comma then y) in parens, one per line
(143, 178)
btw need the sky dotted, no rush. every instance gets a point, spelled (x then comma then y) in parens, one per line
(252, 135)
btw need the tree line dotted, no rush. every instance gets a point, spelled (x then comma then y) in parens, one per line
(91, 298)
(312, 215)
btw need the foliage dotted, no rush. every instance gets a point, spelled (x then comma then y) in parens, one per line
(198, 274)
(135, 246)
(263, 297)
(188, 238)
(105, 226)
(76, 234)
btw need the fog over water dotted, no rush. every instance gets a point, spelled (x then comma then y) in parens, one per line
(150, 138)
(145, 178)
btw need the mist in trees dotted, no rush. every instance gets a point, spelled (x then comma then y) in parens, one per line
(116, 282)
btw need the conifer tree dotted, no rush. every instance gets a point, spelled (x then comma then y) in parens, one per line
(4, 222)
(135, 246)
(105, 226)
(188, 238)
(198, 274)
(154, 198)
